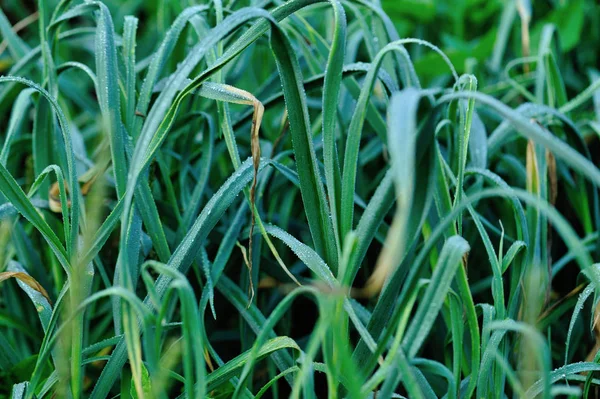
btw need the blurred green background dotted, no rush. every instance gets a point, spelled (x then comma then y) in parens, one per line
(468, 31)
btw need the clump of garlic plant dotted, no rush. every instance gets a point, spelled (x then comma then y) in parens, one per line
(283, 199)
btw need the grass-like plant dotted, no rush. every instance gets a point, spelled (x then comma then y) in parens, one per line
(282, 199)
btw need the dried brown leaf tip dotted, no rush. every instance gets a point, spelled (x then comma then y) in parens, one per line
(231, 94)
(54, 198)
(532, 168)
(592, 355)
(27, 279)
(249, 266)
(86, 182)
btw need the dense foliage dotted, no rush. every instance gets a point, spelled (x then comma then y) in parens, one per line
(326, 198)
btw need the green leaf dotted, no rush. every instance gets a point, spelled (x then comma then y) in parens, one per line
(16, 45)
(235, 365)
(16, 120)
(569, 19)
(331, 93)
(435, 294)
(181, 259)
(146, 383)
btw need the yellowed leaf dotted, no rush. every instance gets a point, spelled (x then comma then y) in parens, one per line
(27, 279)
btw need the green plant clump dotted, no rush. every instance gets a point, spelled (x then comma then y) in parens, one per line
(302, 198)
